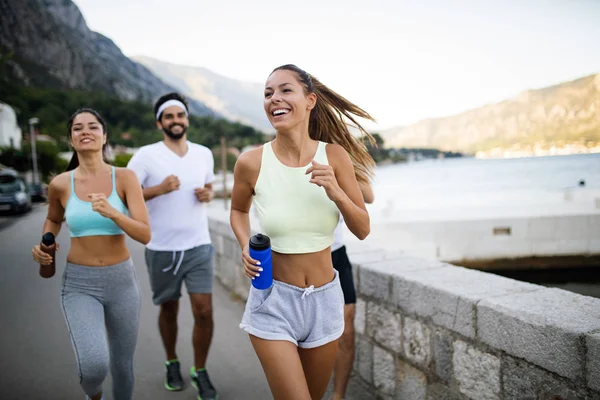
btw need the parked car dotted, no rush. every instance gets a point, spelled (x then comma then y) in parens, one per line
(14, 196)
(38, 192)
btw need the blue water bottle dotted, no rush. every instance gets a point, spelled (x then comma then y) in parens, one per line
(260, 250)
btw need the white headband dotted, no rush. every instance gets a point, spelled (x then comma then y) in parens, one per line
(170, 103)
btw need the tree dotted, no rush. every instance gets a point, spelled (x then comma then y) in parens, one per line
(14, 158)
(377, 151)
(49, 161)
(121, 160)
(231, 159)
(54, 107)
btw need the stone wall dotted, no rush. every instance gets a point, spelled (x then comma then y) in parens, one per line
(430, 330)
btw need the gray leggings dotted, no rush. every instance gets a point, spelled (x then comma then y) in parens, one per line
(102, 308)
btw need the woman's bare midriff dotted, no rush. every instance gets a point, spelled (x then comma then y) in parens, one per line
(98, 251)
(303, 270)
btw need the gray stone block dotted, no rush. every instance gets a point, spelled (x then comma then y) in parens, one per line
(398, 264)
(384, 326)
(360, 316)
(223, 272)
(234, 274)
(544, 327)
(375, 277)
(364, 357)
(236, 254)
(371, 256)
(384, 371)
(217, 242)
(229, 249)
(411, 383)
(242, 285)
(417, 342)
(222, 228)
(593, 361)
(520, 381)
(561, 389)
(442, 354)
(449, 295)
(218, 264)
(438, 391)
(593, 395)
(357, 390)
(477, 373)
(374, 282)
(356, 275)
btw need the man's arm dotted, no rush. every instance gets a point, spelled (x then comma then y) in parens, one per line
(137, 164)
(205, 194)
(170, 183)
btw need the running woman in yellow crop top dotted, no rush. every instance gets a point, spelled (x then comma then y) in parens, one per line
(100, 295)
(299, 184)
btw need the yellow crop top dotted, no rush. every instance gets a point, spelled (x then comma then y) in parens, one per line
(297, 215)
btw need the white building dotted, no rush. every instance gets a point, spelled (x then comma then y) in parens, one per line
(10, 133)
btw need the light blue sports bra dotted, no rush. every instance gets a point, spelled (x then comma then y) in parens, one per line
(83, 221)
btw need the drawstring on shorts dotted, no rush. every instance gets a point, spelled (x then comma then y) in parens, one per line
(173, 263)
(307, 291)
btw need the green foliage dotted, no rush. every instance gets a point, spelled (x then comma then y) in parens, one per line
(49, 162)
(121, 160)
(129, 123)
(231, 159)
(377, 151)
(14, 158)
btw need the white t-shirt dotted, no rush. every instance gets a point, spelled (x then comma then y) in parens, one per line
(178, 221)
(338, 235)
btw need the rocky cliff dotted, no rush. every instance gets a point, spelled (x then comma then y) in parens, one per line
(52, 46)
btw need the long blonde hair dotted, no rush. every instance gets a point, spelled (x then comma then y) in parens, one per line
(328, 122)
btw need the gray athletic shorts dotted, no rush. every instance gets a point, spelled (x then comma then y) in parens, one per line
(308, 317)
(169, 269)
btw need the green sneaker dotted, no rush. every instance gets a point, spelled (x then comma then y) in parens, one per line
(201, 381)
(174, 380)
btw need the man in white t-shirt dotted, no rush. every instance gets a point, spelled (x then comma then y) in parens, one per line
(177, 177)
(345, 354)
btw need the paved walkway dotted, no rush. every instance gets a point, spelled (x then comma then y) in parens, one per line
(37, 359)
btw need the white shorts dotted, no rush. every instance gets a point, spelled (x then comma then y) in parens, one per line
(308, 317)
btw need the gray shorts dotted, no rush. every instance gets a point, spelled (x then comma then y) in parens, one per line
(308, 317)
(168, 269)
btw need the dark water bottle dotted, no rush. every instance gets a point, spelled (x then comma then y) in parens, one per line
(48, 246)
(260, 250)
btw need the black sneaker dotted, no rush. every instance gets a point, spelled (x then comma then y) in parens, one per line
(201, 381)
(174, 380)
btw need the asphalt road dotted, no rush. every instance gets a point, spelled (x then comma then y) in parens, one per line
(37, 360)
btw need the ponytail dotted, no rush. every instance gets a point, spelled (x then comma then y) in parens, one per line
(74, 163)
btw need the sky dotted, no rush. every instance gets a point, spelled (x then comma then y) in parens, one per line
(401, 60)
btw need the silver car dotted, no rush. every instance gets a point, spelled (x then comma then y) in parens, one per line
(14, 196)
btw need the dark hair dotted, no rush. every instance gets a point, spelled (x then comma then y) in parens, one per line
(167, 97)
(74, 163)
(327, 122)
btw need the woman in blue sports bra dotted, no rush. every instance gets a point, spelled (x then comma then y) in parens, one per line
(100, 296)
(299, 184)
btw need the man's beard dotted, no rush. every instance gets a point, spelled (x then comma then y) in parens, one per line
(175, 136)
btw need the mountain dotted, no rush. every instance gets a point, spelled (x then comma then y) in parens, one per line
(48, 44)
(236, 100)
(567, 114)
